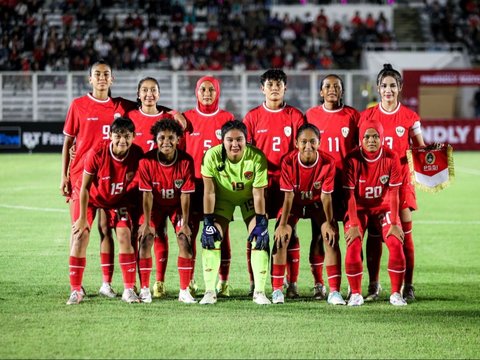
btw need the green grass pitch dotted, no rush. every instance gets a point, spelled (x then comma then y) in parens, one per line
(35, 322)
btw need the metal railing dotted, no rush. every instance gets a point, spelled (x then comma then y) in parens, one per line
(46, 96)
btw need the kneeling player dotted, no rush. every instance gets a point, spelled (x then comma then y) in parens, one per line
(166, 182)
(372, 175)
(307, 178)
(109, 170)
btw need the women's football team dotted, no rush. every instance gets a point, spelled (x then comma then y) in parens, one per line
(137, 165)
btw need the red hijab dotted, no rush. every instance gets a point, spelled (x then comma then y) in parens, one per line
(208, 109)
(364, 126)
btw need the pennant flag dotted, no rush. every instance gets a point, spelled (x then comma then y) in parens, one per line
(431, 169)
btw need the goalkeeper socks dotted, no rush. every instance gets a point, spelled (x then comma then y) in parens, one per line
(260, 268)
(278, 273)
(225, 255)
(107, 261)
(396, 263)
(293, 260)
(129, 269)
(160, 248)
(374, 255)
(334, 273)
(211, 264)
(145, 270)
(409, 251)
(76, 267)
(354, 266)
(184, 271)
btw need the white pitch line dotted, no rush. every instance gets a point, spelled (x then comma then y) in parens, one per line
(448, 222)
(30, 208)
(467, 170)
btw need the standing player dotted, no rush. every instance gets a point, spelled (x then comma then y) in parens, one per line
(338, 129)
(88, 123)
(109, 170)
(272, 127)
(234, 174)
(372, 179)
(307, 179)
(402, 127)
(204, 131)
(144, 117)
(166, 181)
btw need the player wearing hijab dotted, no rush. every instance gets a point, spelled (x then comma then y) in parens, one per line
(372, 180)
(402, 128)
(204, 124)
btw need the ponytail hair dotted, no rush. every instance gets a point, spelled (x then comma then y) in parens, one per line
(388, 70)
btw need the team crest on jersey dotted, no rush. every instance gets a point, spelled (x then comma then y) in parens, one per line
(429, 158)
(129, 176)
(248, 175)
(345, 131)
(384, 179)
(400, 130)
(317, 185)
(218, 134)
(178, 183)
(287, 130)
(117, 115)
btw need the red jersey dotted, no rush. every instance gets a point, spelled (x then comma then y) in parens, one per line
(370, 179)
(273, 132)
(88, 121)
(167, 182)
(111, 176)
(338, 130)
(307, 182)
(203, 132)
(143, 123)
(398, 126)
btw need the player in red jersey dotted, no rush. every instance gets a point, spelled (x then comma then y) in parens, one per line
(204, 124)
(144, 117)
(272, 127)
(372, 180)
(88, 123)
(109, 170)
(166, 181)
(307, 180)
(338, 125)
(402, 128)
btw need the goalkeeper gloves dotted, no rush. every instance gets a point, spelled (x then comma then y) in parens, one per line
(260, 233)
(210, 233)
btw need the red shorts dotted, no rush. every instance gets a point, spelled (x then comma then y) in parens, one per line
(312, 211)
(159, 216)
(379, 219)
(116, 218)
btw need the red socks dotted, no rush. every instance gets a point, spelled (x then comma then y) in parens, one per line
(129, 269)
(107, 261)
(293, 260)
(185, 268)
(316, 266)
(160, 248)
(354, 266)
(278, 273)
(76, 267)
(396, 263)
(334, 273)
(145, 269)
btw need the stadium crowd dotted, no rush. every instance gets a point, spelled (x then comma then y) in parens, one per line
(205, 35)
(202, 35)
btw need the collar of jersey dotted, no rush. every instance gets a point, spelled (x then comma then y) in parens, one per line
(274, 111)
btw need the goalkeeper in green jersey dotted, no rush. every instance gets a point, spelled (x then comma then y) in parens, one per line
(234, 174)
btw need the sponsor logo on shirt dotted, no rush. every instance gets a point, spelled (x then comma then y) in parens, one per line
(317, 185)
(178, 183)
(384, 179)
(92, 118)
(400, 130)
(345, 131)
(117, 115)
(218, 134)
(248, 175)
(287, 130)
(195, 134)
(105, 177)
(261, 131)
